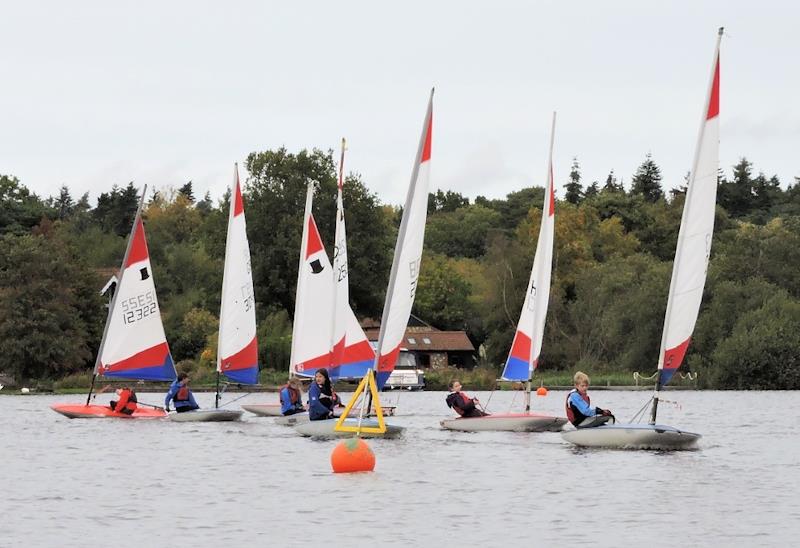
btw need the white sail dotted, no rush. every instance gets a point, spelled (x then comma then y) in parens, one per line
(134, 344)
(237, 351)
(694, 239)
(351, 353)
(524, 355)
(313, 307)
(407, 257)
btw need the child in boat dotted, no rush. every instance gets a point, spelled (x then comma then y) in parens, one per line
(578, 406)
(292, 398)
(126, 403)
(181, 395)
(320, 396)
(461, 403)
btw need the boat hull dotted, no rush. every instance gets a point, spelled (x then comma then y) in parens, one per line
(633, 436)
(292, 420)
(511, 422)
(325, 429)
(264, 409)
(207, 415)
(274, 410)
(92, 411)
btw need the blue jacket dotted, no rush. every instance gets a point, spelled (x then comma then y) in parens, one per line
(319, 404)
(173, 395)
(287, 405)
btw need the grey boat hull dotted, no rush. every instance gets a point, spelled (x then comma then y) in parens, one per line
(633, 436)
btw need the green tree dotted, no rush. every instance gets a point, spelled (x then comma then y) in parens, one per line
(647, 180)
(737, 196)
(442, 296)
(198, 325)
(461, 233)
(446, 201)
(116, 209)
(20, 210)
(50, 309)
(761, 352)
(574, 194)
(276, 193)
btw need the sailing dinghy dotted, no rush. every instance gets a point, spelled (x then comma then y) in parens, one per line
(527, 345)
(134, 345)
(237, 349)
(685, 290)
(397, 307)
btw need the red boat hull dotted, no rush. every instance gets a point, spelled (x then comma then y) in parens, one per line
(82, 411)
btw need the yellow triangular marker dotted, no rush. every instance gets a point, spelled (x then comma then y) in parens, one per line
(369, 379)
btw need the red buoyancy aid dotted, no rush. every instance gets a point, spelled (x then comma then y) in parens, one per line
(294, 394)
(570, 411)
(183, 394)
(127, 402)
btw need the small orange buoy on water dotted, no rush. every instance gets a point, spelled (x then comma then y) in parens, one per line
(353, 455)
(541, 391)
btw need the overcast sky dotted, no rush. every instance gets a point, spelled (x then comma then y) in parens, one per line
(94, 93)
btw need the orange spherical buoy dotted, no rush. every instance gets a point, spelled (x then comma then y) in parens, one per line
(541, 391)
(353, 455)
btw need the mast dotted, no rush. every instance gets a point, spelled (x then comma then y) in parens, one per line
(341, 296)
(694, 240)
(542, 270)
(116, 292)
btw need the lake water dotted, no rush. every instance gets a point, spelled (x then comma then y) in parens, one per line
(252, 483)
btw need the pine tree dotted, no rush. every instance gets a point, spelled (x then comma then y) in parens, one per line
(647, 180)
(592, 190)
(575, 194)
(186, 190)
(611, 184)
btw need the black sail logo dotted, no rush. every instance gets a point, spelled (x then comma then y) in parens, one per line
(316, 267)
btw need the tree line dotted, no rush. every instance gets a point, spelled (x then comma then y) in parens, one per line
(612, 264)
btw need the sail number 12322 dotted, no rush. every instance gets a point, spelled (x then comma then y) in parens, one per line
(139, 307)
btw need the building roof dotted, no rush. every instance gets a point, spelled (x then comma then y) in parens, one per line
(430, 340)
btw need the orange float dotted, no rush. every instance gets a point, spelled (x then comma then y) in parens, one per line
(541, 391)
(353, 455)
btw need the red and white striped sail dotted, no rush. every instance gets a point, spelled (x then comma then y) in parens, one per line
(694, 239)
(134, 345)
(237, 350)
(407, 257)
(524, 355)
(314, 309)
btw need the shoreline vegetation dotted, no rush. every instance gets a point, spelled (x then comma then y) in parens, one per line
(479, 378)
(614, 248)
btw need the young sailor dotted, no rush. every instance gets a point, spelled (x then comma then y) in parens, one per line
(320, 396)
(578, 406)
(180, 393)
(292, 398)
(461, 403)
(126, 403)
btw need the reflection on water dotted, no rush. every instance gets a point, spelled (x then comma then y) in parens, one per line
(158, 483)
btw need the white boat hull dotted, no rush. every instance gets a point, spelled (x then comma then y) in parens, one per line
(517, 422)
(264, 409)
(292, 420)
(633, 436)
(206, 415)
(325, 429)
